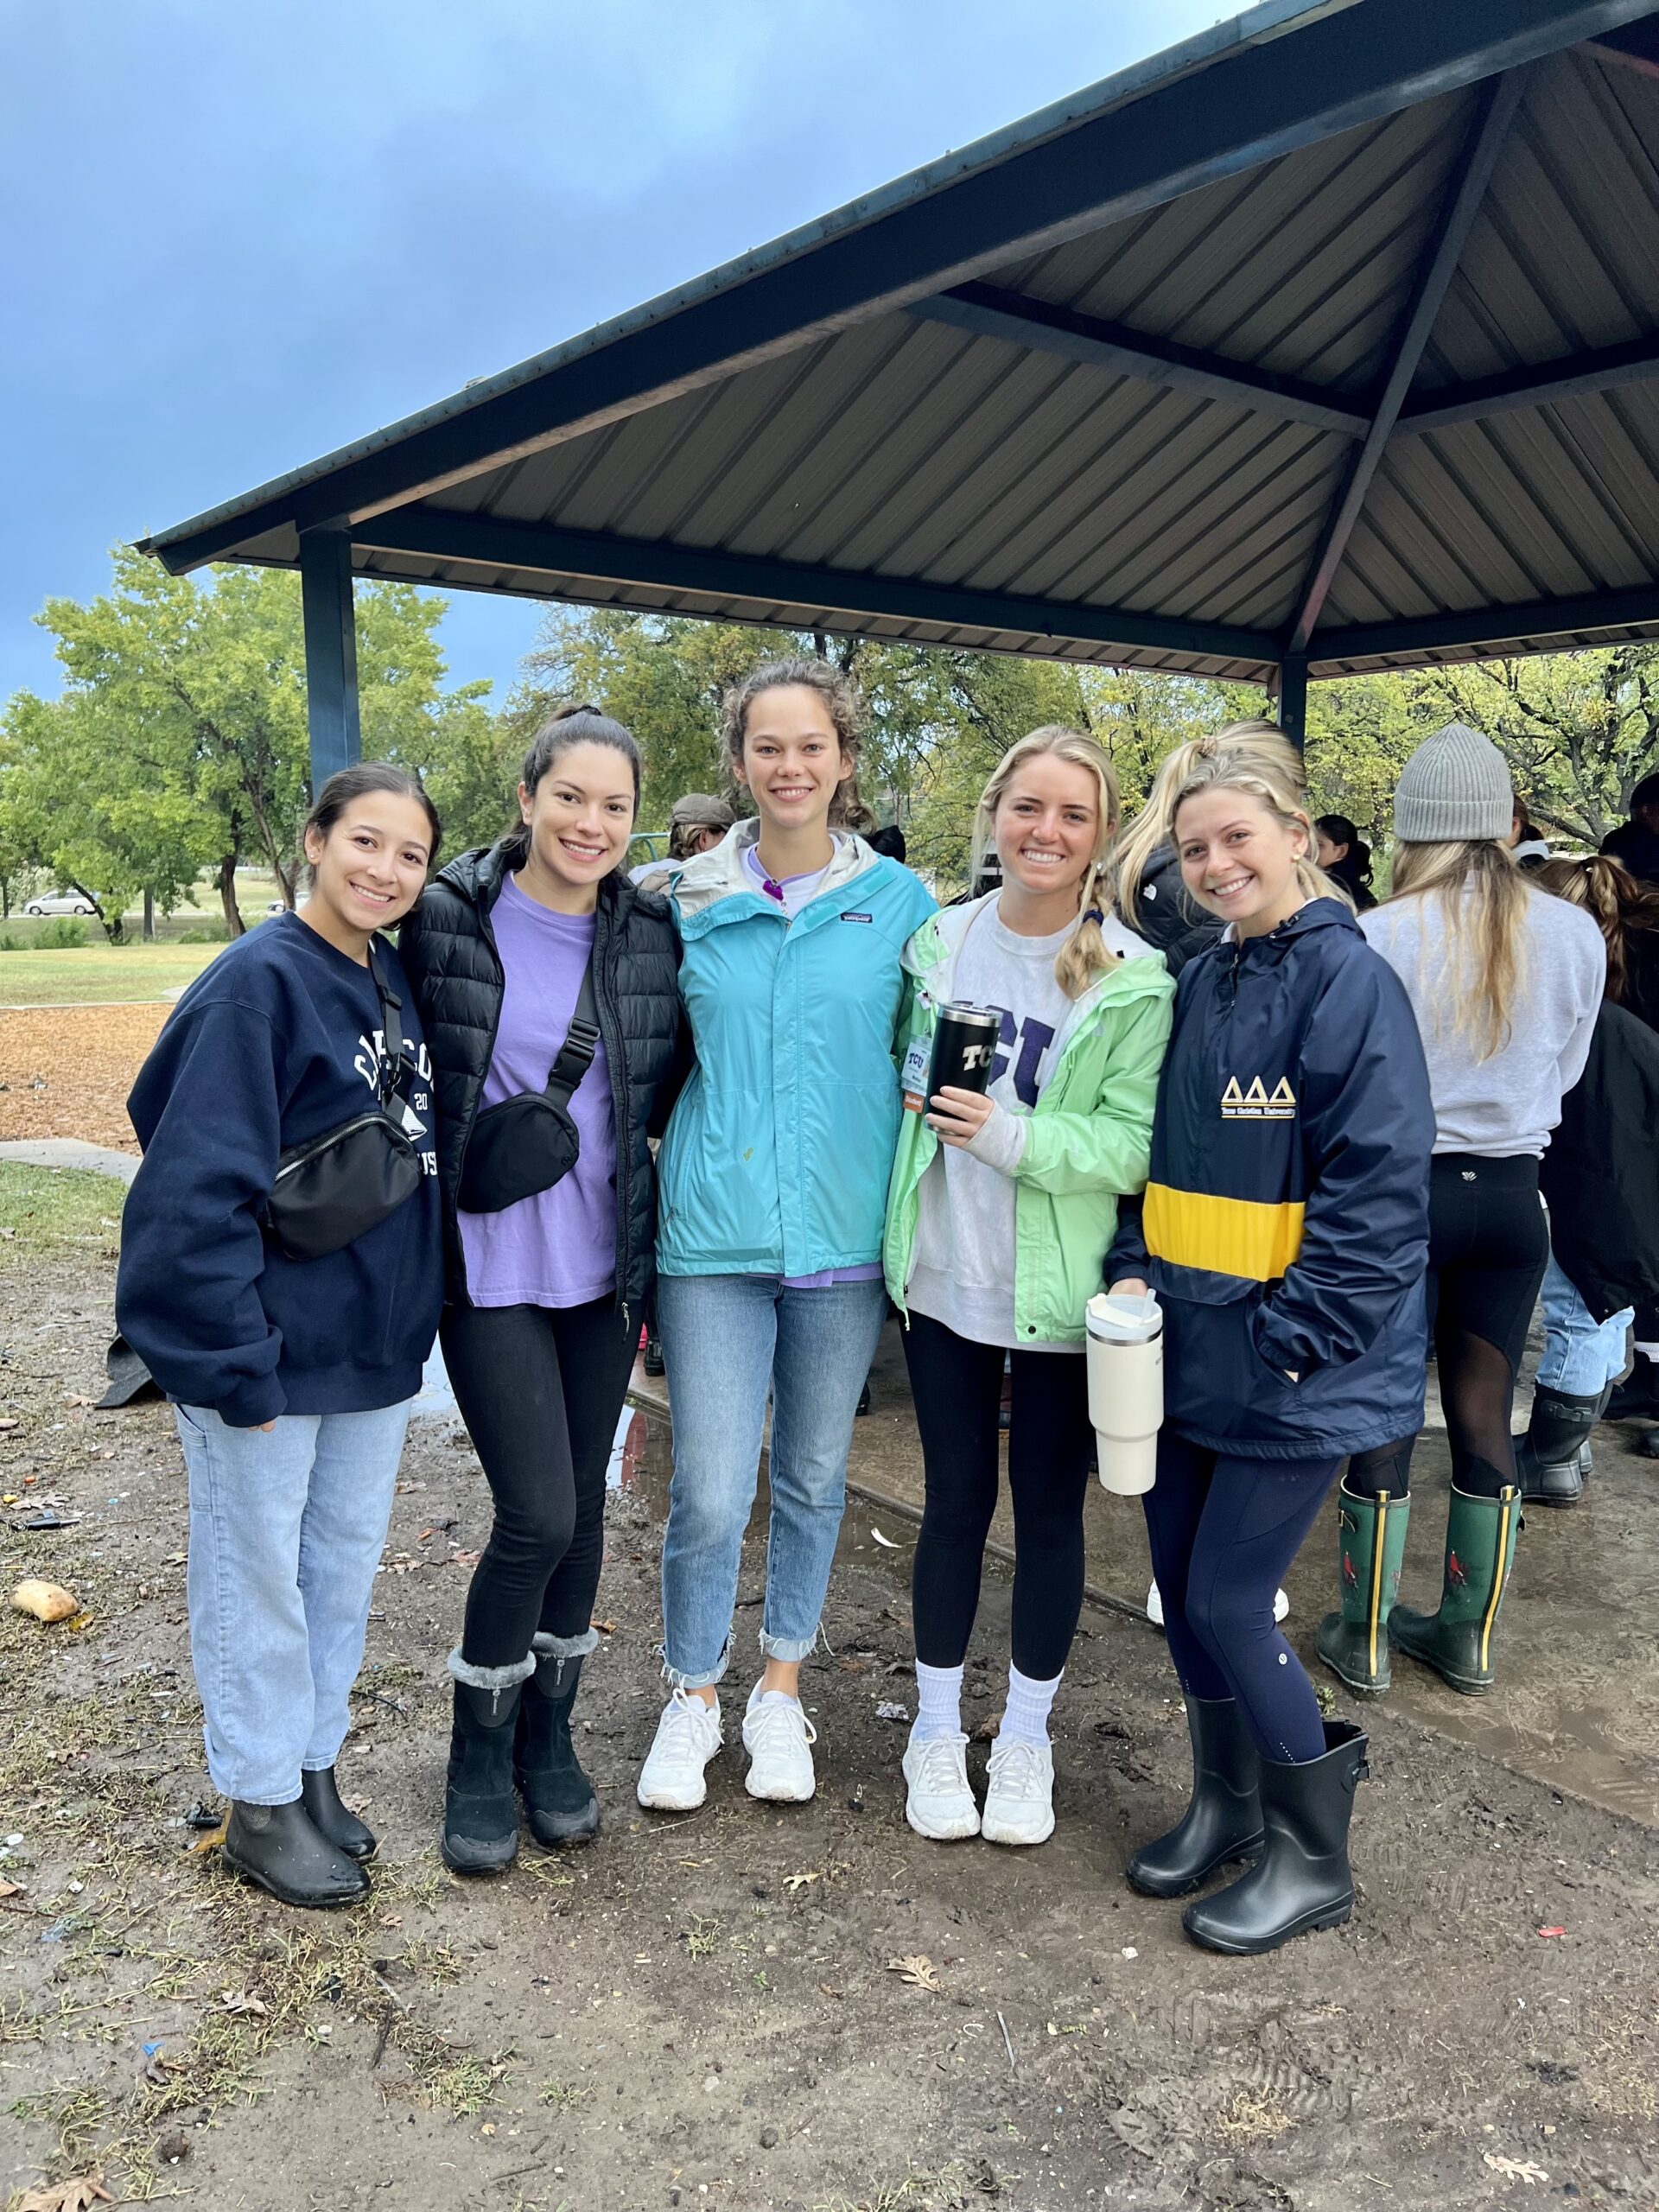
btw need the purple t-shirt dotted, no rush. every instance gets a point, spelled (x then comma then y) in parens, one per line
(559, 1247)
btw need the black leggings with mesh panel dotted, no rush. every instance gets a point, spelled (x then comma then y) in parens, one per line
(1488, 1241)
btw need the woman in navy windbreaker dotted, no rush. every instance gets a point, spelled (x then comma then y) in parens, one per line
(1285, 1230)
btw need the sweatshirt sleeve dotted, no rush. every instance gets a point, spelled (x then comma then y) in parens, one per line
(1109, 1148)
(1368, 1128)
(207, 1112)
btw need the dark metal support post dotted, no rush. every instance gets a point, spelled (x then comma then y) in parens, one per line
(330, 652)
(1472, 174)
(1291, 699)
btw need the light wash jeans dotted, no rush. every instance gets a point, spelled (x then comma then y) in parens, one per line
(726, 1340)
(286, 1531)
(1580, 1356)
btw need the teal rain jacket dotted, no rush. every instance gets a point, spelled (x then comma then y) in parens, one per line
(779, 1149)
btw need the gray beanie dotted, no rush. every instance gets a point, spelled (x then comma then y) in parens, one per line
(1455, 786)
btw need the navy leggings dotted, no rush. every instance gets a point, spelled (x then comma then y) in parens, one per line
(1223, 1530)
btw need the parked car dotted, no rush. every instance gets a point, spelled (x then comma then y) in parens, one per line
(60, 902)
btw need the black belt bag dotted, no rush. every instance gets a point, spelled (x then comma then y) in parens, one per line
(529, 1143)
(337, 1187)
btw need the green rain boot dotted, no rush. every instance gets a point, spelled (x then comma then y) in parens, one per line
(1371, 1544)
(1456, 1641)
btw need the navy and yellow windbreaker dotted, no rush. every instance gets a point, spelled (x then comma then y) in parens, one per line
(1286, 1222)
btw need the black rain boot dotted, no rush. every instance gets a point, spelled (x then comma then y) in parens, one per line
(562, 1805)
(320, 1796)
(277, 1847)
(1636, 1398)
(480, 1813)
(1553, 1457)
(1302, 1880)
(1223, 1822)
(653, 1357)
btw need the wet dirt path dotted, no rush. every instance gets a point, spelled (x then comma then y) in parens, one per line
(705, 2010)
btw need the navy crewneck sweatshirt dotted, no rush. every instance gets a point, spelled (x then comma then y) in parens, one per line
(279, 1041)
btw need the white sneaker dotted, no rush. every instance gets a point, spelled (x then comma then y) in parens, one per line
(1155, 1606)
(938, 1803)
(688, 1736)
(1020, 1801)
(779, 1739)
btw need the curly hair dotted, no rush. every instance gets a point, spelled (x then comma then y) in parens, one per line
(843, 703)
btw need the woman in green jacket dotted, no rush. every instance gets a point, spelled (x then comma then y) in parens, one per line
(1001, 1210)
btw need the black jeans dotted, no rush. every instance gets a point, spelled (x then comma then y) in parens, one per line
(957, 1387)
(540, 1391)
(1488, 1243)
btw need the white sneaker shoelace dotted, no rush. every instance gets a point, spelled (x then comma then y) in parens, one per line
(688, 1736)
(1021, 1771)
(779, 1739)
(940, 1768)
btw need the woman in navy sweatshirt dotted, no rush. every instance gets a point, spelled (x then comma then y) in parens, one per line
(290, 1379)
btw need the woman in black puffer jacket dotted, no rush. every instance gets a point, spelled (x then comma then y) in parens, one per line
(544, 1295)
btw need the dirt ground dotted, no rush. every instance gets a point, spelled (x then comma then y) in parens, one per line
(65, 1071)
(737, 2007)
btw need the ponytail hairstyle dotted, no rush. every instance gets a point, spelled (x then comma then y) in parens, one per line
(1615, 900)
(1253, 756)
(1085, 953)
(564, 727)
(357, 782)
(843, 705)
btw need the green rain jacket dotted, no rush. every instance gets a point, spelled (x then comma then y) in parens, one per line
(1089, 1135)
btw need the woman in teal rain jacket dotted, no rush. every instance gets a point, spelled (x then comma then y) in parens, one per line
(773, 1189)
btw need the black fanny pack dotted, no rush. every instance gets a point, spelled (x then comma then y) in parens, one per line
(529, 1143)
(337, 1187)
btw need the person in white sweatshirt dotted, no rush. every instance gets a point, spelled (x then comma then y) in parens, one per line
(1505, 982)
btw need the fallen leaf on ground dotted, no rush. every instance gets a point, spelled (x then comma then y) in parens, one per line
(800, 1881)
(66, 2196)
(45, 1601)
(74, 1398)
(919, 1972)
(16, 1889)
(827, 1989)
(212, 1841)
(605, 1628)
(885, 1542)
(239, 2001)
(889, 1712)
(1515, 2168)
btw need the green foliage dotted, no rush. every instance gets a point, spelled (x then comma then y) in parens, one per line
(63, 933)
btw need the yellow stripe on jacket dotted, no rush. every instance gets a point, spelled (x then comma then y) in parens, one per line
(1224, 1237)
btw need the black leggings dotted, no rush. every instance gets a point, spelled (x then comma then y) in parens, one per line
(1488, 1243)
(957, 1387)
(540, 1391)
(1223, 1531)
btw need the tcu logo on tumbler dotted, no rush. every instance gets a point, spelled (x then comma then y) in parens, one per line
(964, 1046)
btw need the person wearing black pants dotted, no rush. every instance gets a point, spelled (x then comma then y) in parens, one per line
(1285, 1232)
(1505, 981)
(957, 1387)
(545, 1291)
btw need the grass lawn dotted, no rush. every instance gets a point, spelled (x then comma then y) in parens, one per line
(57, 1214)
(100, 971)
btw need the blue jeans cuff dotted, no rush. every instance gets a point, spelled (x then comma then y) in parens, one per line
(677, 1680)
(790, 1649)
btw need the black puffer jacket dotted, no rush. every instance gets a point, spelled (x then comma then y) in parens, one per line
(1167, 915)
(449, 952)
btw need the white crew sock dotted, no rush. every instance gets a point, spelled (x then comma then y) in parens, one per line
(938, 1703)
(1026, 1719)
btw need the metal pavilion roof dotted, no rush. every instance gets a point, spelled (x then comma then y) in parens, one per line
(1326, 341)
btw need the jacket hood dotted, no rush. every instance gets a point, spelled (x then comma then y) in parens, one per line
(722, 872)
(1317, 914)
(477, 876)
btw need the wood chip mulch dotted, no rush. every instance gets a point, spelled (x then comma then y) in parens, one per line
(67, 1070)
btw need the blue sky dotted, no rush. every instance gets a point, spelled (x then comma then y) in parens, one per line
(234, 237)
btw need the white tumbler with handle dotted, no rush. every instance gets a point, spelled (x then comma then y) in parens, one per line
(1126, 1387)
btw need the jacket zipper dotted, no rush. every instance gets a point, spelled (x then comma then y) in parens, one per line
(488, 934)
(604, 952)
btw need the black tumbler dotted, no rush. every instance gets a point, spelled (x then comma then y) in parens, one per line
(964, 1046)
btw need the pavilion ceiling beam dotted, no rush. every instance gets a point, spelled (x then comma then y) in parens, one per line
(1532, 624)
(1538, 384)
(1043, 327)
(1498, 103)
(1635, 47)
(448, 534)
(1249, 103)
